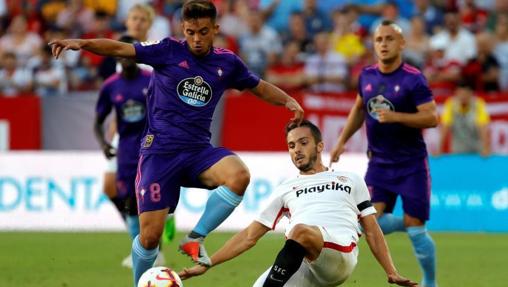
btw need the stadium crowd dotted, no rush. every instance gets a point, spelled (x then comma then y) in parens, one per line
(300, 44)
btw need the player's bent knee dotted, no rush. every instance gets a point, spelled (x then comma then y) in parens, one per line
(302, 234)
(150, 237)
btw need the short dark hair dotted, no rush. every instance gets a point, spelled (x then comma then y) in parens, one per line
(197, 9)
(316, 133)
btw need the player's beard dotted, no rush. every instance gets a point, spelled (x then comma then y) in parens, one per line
(310, 164)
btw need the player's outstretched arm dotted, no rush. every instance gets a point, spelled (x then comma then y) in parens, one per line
(239, 243)
(379, 248)
(354, 122)
(103, 47)
(274, 95)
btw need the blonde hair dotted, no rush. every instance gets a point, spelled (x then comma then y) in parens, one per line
(150, 12)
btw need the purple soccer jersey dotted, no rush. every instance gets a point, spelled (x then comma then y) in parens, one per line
(402, 91)
(128, 98)
(185, 91)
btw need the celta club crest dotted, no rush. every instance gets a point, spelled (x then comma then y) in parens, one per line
(376, 103)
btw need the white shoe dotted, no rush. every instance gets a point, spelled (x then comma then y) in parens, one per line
(160, 260)
(127, 262)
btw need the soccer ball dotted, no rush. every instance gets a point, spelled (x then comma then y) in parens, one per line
(160, 277)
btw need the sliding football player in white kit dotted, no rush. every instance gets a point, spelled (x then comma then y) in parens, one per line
(323, 208)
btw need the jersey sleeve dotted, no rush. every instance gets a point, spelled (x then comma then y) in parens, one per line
(421, 91)
(274, 211)
(154, 53)
(362, 197)
(242, 77)
(104, 104)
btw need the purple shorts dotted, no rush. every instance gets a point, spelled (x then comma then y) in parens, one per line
(412, 184)
(125, 180)
(160, 176)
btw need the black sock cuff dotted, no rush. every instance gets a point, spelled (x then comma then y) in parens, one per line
(294, 247)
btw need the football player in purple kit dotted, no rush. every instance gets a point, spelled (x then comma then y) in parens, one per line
(188, 80)
(396, 103)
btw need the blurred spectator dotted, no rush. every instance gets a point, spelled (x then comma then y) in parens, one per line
(27, 8)
(277, 12)
(460, 43)
(232, 22)
(107, 6)
(14, 79)
(123, 7)
(464, 122)
(482, 72)
(433, 16)
(441, 73)
(390, 12)
(76, 18)
(19, 41)
(501, 49)
(50, 10)
(473, 18)
(316, 21)
(325, 70)
(298, 33)
(139, 20)
(417, 43)
(260, 46)
(288, 72)
(346, 35)
(49, 79)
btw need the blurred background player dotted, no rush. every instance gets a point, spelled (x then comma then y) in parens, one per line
(465, 121)
(189, 78)
(396, 104)
(323, 207)
(126, 93)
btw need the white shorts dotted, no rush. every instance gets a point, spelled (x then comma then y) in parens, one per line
(112, 165)
(333, 266)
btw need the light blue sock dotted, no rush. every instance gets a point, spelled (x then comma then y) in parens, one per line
(390, 223)
(132, 225)
(219, 206)
(142, 259)
(425, 251)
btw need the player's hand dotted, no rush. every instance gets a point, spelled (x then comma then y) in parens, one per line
(386, 116)
(401, 281)
(295, 107)
(58, 46)
(109, 151)
(335, 153)
(196, 270)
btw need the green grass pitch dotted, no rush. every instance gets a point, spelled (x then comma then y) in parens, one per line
(93, 259)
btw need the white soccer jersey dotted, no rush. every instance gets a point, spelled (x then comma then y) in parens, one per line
(334, 200)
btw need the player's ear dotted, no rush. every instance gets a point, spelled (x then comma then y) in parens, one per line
(216, 29)
(320, 147)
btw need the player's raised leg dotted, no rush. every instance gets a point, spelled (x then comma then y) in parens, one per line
(303, 241)
(231, 176)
